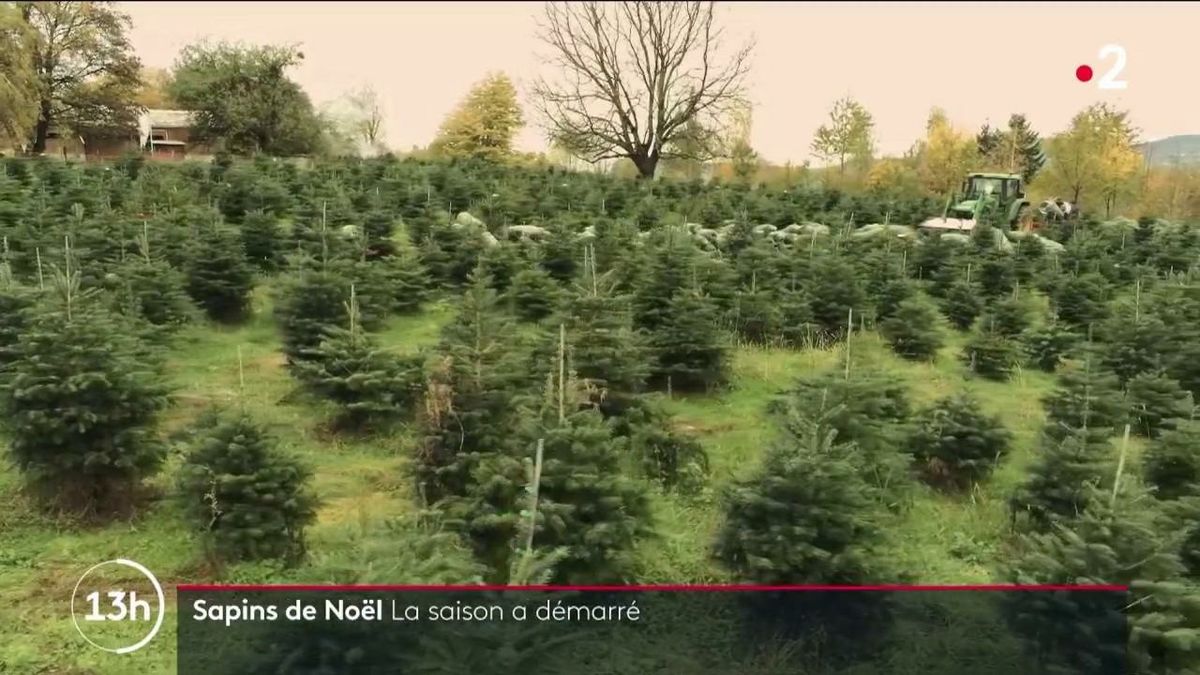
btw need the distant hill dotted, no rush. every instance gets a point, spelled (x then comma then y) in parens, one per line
(1171, 150)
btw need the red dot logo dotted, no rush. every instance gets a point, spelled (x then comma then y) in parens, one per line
(1083, 73)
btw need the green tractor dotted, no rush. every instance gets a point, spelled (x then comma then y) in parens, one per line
(996, 196)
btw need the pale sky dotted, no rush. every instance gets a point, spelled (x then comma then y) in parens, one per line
(978, 61)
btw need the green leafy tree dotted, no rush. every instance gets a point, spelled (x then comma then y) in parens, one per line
(805, 517)
(913, 331)
(242, 98)
(247, 498)
(85, 69)
(219, 279)
(956, 444)
(81, 403)
(18, 85)
(847, 136)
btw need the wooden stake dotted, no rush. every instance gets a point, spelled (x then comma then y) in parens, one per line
(562, 372)
(535, 488)
(849, 330)
(1120, 467)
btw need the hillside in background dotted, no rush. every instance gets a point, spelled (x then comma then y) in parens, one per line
(1168, 151)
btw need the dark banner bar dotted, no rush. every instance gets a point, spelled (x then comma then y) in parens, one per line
(636, 631)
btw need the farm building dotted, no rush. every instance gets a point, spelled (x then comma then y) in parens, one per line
(163, 134)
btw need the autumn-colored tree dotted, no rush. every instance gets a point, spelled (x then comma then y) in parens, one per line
(945, 155)
(484, 124)
(893, 178)
(1094, 160)
(742, 157)
(153, 92)
(847, 136)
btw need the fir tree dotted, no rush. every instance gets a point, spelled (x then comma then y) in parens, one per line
(833, 292)
(1061, 484)
(606, 353)
(15, 300)
(913, 331)
(367, 384)
(805, 517)
(1133, 344)
(689, 350)
(956, 444)
(1172, 465)
(218, 277)
(1155, 402)
(989, 354)
(407, 278)
(1079, 300)
(1009, 317)
(80, 405)
(1117, 540)
(307, 304)
(757, 317)
(469, 394)
(250, 500)
(533, 294)
(154, 289)
(262, 240)
(962, 304)
(1087, 397)
(1047, 345)
(797, 327)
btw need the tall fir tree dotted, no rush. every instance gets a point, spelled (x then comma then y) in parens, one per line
(262, 240)
(689, 350)
(307, 304)
(469, 393)
(913, 330)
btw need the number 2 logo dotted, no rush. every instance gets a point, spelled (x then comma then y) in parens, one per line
(1109, 80)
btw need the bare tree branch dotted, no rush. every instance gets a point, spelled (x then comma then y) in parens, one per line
(641, 80)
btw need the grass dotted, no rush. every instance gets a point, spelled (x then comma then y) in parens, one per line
(942, 539)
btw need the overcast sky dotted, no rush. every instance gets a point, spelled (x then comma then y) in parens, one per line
(978, 61)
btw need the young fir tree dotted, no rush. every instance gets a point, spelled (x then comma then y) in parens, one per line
(1155, 403)
(1086, 397)
(757, 317)
(249, 500)
(797, 328)
(218, 277)
(1080, 300)
(1047, 344)
(1117, 540)
(407, 279)
(1133, 344)
(1172, 465)
(1060, 485)
(833, 291)
(956, 444)
(469, 393)
(989, 354)
(913, 330)
(608, 356)
(80, 404)
(962, 304)
(689, 350)
(1009, 317)
(368, 385)
(155, 290)
(869, 409)
(262, 240)
(805, 517)
(15, 300)
(585, 503)
(534, 294)
(308, 303)
(892, 293)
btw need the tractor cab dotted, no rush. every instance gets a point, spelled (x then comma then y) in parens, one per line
(1000, 186)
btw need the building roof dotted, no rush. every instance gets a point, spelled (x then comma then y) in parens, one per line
(169, 118)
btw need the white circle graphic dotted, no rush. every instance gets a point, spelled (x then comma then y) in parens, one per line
(162, 606)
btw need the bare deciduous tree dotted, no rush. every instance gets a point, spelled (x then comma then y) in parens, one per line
(641, 80)
(368, 123)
